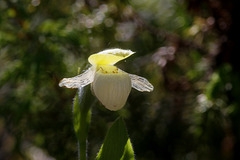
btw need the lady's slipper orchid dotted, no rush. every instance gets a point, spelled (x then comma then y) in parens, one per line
(109, 84)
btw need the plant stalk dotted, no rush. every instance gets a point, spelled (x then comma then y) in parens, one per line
(81, 119)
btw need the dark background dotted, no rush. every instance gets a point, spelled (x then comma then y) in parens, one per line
(188, 49)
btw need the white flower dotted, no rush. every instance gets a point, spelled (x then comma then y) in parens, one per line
(109, 84)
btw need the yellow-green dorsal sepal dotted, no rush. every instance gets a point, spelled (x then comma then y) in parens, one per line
(109, 56)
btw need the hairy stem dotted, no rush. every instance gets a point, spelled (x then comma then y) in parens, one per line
(82, 118)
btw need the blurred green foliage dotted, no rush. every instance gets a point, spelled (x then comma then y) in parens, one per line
(184, 48)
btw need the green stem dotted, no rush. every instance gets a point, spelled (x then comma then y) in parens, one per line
(82, 138)
(82, 151)
(81, 119)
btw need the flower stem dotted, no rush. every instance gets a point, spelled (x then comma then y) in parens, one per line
(82, 154)
(81, 119)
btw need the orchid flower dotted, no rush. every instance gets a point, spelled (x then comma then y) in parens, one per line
(109, 84)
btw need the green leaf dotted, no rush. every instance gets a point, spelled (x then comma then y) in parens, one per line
(116, 145)
(128, 151)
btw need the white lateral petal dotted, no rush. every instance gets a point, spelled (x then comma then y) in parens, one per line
(141, 84)
(80, 80)
(112, 89)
